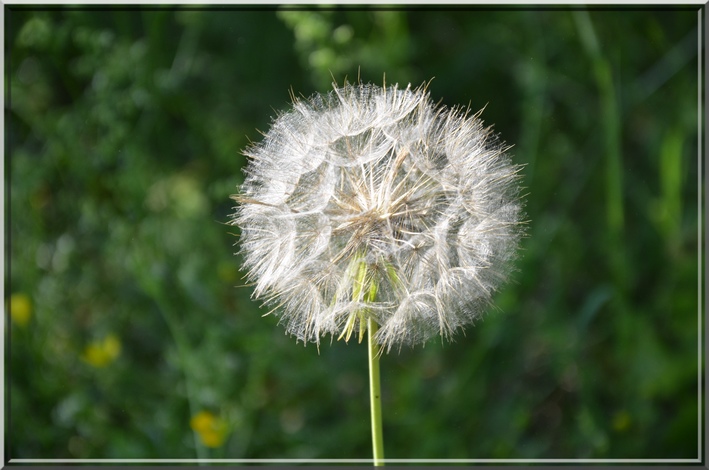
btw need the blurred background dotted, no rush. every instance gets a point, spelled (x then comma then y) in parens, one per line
(132, 335)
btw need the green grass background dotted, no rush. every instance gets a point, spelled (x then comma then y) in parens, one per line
(124, 129)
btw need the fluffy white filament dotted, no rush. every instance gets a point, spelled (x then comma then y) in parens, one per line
(374, 202)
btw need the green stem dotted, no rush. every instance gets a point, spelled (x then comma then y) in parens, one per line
(151, 287)
(375, 395)
(610, 113)
(183, 352)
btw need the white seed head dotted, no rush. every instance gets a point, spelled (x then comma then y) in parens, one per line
(372, 202)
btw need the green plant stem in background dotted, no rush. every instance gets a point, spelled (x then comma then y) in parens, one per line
(611, 125)
(615, 215)
(375, 395)
(152, 288)
(610, 118)
(183, 352)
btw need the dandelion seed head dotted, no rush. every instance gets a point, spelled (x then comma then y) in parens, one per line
(371, 202)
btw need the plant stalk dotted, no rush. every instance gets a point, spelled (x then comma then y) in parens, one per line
(375, 395)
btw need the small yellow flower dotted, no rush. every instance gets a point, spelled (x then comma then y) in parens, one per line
(212, 430)
(20, 309)
(212, 438)
(101, 353)
(202, 421)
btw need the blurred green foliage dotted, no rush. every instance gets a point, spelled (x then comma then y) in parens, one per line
(133, 337)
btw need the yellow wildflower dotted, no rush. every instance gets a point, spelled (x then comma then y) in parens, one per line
(20, 309)
(101, 353)
(212, 430)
